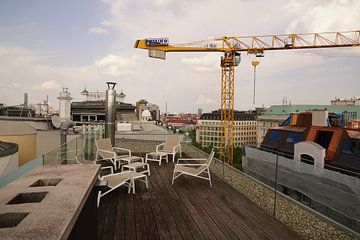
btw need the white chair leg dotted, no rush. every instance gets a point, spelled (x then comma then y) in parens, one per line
(130, 185)
(133, 186)
(148, 168)
(146, 182)
(98, 198)
(209, 178)
(173, 178)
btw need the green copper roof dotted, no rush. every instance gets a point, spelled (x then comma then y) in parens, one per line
(286, 110)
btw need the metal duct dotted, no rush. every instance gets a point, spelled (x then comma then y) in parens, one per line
(110, 112)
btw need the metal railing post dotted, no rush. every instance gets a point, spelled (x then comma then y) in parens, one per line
(275, 188)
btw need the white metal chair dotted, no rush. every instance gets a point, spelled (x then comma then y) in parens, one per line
(104, 151)
(80, 159)
(116, 180)
(171, 146)
(197, 168)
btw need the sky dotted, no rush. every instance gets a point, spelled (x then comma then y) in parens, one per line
(49, 45)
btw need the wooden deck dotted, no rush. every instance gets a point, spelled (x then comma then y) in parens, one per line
(190, 209)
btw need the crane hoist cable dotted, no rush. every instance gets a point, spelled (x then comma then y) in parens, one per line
(254, 63)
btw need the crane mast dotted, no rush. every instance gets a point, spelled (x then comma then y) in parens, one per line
(231, 48)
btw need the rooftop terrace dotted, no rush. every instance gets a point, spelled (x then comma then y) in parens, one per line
(236, 207)
(190, 209)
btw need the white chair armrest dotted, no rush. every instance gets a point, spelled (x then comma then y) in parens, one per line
(192, 159)
(191, 164)
(106, 151)
(120, 173)
(109, 167)
(158, 146)
(123, 150)
(176, 148)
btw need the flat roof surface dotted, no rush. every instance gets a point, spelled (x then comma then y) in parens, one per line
(190, 209)
(55, 215)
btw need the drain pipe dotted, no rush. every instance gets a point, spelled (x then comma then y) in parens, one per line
(110, 112)
(63, 130)
(63, 133)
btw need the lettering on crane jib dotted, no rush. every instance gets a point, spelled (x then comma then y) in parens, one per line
(157, 41)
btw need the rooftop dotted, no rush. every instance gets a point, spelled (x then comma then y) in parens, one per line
(236, 207)
(190, 209)
(285, 110)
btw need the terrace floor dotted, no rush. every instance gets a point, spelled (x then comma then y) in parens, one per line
(190, 209)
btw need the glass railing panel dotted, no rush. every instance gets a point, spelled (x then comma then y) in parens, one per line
(21, 171)
(331, 192)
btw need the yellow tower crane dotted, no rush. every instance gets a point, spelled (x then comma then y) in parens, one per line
(231, 48)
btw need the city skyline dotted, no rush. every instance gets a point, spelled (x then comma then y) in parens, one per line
(45, 46)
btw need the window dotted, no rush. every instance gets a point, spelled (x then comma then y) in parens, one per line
(275, 135)
(293, 137)
(350, 147)
(323, 138)
(76, 118)
(305, 158)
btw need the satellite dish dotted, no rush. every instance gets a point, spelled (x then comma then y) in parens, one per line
(55, 120)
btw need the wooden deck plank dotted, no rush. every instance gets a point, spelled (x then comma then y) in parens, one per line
(162, 228)
(102, 216)
(185, 222)
(186, 208)
(161, 224)
(140, 225)
(120, 214)
(226, 225)
(190, 209)
(177, 227)
(151, 228)
(270, 228)
(108, 232)
(130, 227)
(221, 209)
(214, 228)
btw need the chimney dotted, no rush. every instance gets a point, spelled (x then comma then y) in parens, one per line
(26, 103)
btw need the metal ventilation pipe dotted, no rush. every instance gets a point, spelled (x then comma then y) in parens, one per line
(63, 133)
(110, 112)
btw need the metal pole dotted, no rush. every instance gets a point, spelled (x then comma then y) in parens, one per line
(110, 112)
(63, 132)
(276, 178)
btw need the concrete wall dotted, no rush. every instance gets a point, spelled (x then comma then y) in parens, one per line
(27, 146)
(9, 163)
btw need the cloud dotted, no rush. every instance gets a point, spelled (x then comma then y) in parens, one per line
(206, 63)
(323, 15)
(50, 85)
(106, 23)
(98, 30)
(115, 66)
(203, 100)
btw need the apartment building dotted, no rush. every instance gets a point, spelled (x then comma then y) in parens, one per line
(208, 129)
